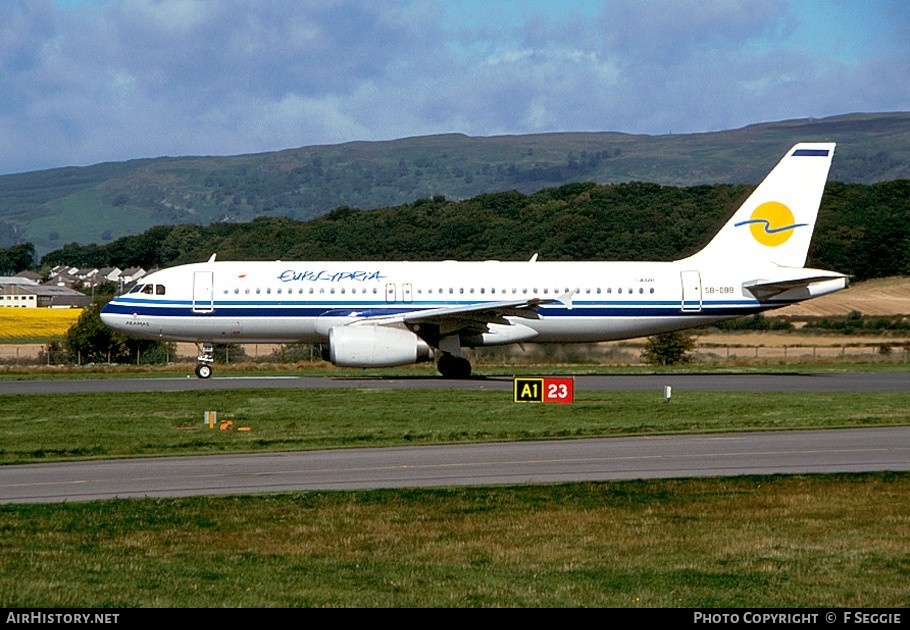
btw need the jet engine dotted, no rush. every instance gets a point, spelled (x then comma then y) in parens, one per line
(376, 346)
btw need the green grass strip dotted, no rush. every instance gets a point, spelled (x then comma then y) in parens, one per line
(67, 426)
(776, 541)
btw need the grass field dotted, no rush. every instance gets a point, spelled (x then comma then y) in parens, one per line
(763, 541)
(833, 541)
(68, 426)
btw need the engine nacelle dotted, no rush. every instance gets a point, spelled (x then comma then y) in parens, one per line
(376, 346)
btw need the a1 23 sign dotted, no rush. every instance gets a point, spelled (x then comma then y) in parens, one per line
(546, 389)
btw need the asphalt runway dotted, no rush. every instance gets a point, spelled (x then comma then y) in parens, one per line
(785, 452)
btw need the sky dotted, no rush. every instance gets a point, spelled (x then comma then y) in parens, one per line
(90, 81)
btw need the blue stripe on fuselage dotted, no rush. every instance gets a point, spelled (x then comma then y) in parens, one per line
(276, 309)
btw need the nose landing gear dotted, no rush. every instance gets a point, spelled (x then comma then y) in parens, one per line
(204, 360)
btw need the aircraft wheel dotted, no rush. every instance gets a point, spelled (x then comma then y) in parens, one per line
(454, 367)
(203, 370)
(463, 369)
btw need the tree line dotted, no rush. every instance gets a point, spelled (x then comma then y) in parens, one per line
(17, 258)
(863, 230)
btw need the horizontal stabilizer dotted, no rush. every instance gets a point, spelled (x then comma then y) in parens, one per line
(797, 288)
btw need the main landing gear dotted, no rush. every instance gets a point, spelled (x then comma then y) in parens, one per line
(204, 360)
(453, 367)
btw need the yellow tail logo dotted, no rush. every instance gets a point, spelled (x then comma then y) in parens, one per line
(772, 224)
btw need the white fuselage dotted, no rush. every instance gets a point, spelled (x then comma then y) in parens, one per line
(285, 302)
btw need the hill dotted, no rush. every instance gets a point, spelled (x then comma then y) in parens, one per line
(97, 204)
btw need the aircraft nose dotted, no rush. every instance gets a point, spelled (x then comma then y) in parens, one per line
(107, 316)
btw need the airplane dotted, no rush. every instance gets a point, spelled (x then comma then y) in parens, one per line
(382, 314)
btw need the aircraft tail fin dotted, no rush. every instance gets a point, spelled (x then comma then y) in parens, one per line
(776, 222)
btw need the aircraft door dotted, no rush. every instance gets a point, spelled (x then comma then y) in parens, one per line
(203, 295)
(406, 292)
(691, 291)
(390, 293)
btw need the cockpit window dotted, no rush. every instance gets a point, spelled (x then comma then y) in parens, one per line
(148, 289)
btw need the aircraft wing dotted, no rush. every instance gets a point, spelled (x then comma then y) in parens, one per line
(468, 318)
(494, 312)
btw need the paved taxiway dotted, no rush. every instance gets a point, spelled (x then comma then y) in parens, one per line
(471, 464)
(772, 452)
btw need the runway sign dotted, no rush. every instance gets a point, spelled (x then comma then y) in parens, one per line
(546, 389)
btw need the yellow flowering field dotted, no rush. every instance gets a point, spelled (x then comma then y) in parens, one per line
(35, 325)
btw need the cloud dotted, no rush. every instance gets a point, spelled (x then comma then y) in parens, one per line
(84, 82)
